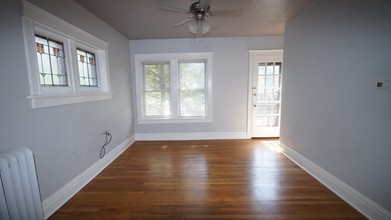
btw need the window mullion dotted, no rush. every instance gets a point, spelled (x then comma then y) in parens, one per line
(71, 64)
(174, 88)
(143, 106)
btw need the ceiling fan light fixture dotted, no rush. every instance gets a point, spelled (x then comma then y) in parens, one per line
(205, 27)
(193, 26)
(199, 27)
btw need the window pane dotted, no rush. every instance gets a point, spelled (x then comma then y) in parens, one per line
(276, 95)
(156, 77)
(271, 121)
(269, 95)
(270, 69)
(268, 108)
(277, 82)
(261, 96)
(157, 89)
(261, 69)
(276, 108)
(86, 63)
(192, 89)
(157, 104)
(277, 70)
(269, 82)
(51, 62)
(261, 82)
(192, 103)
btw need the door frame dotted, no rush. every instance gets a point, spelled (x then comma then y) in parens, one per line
(254, 55)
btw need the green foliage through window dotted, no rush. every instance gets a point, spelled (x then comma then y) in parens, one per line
(157, 89)
(192, 89)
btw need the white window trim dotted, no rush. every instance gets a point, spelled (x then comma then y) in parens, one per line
(39, 21)
(173, 59)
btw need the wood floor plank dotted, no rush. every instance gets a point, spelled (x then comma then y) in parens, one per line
(214, 179)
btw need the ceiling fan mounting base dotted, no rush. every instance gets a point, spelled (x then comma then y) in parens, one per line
(198, 12)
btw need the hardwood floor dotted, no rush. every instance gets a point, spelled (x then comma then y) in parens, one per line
(230, 179)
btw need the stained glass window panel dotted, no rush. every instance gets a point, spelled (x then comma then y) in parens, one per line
(86, 63)
(51, 62)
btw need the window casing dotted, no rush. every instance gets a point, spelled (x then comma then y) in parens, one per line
(174, 87)
(53, 49)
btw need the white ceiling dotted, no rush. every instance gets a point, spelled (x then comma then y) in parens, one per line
(142, 19)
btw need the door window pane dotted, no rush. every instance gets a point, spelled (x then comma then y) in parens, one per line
(276, 95)
(269, 95)
(269, 81)
(271, 121)
(277, 82)
(270, 68)
(277, 68)
(261, 82)
(261, 69)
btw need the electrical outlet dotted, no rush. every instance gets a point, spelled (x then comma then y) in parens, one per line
(382, 84)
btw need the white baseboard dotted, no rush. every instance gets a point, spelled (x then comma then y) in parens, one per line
(59, 198)
(190, 136)
(363, 204)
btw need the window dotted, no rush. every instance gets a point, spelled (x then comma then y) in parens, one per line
(65, 64)
(51, 63)
(87, 68)
(174, 87)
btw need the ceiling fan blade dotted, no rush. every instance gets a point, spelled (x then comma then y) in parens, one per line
(173, 9)
(182, 22)
(228, 13)
(204, 4)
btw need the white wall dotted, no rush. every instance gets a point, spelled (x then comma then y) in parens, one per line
(230, 78)
(65, 139)
(331, 112)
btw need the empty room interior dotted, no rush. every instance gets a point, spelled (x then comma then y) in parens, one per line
(197, 109)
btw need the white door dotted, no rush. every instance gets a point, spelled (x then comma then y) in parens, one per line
(266, 73)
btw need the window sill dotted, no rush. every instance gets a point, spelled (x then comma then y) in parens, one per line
(173, 121)
(54, 100)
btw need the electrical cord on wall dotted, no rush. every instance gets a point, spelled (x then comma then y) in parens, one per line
(108, 139)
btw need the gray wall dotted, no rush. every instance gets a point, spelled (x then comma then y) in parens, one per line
(230, 78)
(65, 139)
(331, 112)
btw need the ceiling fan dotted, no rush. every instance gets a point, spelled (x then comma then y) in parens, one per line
(199, 11)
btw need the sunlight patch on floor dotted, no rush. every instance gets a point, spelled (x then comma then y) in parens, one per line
(273, 145)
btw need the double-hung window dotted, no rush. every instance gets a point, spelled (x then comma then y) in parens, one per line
(65, 64)
(174, 87)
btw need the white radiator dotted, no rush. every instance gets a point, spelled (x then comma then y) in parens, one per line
(19, 191)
